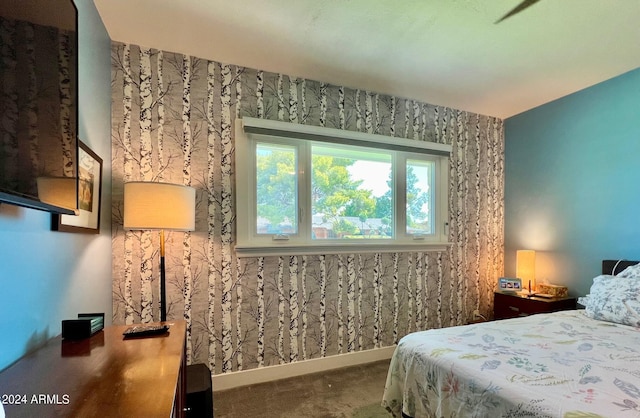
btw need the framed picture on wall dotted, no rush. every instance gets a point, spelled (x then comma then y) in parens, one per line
(89, 195)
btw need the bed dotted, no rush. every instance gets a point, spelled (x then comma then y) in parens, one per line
(579, 363)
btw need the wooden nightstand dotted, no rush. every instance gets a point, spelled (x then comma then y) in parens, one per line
(514, 305)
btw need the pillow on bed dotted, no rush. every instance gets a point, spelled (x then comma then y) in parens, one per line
(584, 300)
(613, 300)
(631, 271)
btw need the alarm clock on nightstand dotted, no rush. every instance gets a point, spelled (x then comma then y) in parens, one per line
(509, 285)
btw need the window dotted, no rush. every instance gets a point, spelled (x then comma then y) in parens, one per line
(305, 190)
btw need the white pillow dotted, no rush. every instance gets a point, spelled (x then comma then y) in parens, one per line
(631, 271)
(614, 300)
(584, 300)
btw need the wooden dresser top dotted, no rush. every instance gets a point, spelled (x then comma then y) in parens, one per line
(101, 376)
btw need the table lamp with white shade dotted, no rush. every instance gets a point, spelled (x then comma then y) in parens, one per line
(159, 206)
(526, 269)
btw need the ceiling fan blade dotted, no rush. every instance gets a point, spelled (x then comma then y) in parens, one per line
(520, 7)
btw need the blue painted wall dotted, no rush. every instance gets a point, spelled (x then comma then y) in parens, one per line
(572, 182)
(48, 276)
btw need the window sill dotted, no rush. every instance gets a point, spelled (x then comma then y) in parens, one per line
(243, 251)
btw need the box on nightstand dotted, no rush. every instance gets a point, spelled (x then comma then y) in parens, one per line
(553, 290)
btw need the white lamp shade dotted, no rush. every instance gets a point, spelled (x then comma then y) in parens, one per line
(526, 267)
(58, 191)
(152, 205)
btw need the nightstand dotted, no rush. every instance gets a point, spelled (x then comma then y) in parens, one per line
(514, 305)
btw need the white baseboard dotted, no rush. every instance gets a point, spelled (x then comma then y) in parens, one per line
(299, 368)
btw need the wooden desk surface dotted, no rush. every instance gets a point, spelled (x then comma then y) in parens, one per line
(102, 376)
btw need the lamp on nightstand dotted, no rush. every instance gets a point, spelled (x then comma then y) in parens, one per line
(526, 268)
(159, 206)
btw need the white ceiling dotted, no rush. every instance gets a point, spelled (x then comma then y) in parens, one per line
(444, 52)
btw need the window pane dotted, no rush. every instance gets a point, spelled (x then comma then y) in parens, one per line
(351, 193)
(276, 189)
(419, 197)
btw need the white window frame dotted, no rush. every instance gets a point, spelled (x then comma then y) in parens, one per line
(249, 131)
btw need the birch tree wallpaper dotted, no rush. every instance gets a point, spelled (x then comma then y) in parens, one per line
(173, 121)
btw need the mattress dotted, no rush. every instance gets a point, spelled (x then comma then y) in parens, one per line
(562, 364)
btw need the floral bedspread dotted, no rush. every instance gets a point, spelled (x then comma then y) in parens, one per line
(562, 364)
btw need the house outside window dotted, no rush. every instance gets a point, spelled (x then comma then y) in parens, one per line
(306, 190)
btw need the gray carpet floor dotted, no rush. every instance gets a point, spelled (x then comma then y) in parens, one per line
(353, 392)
